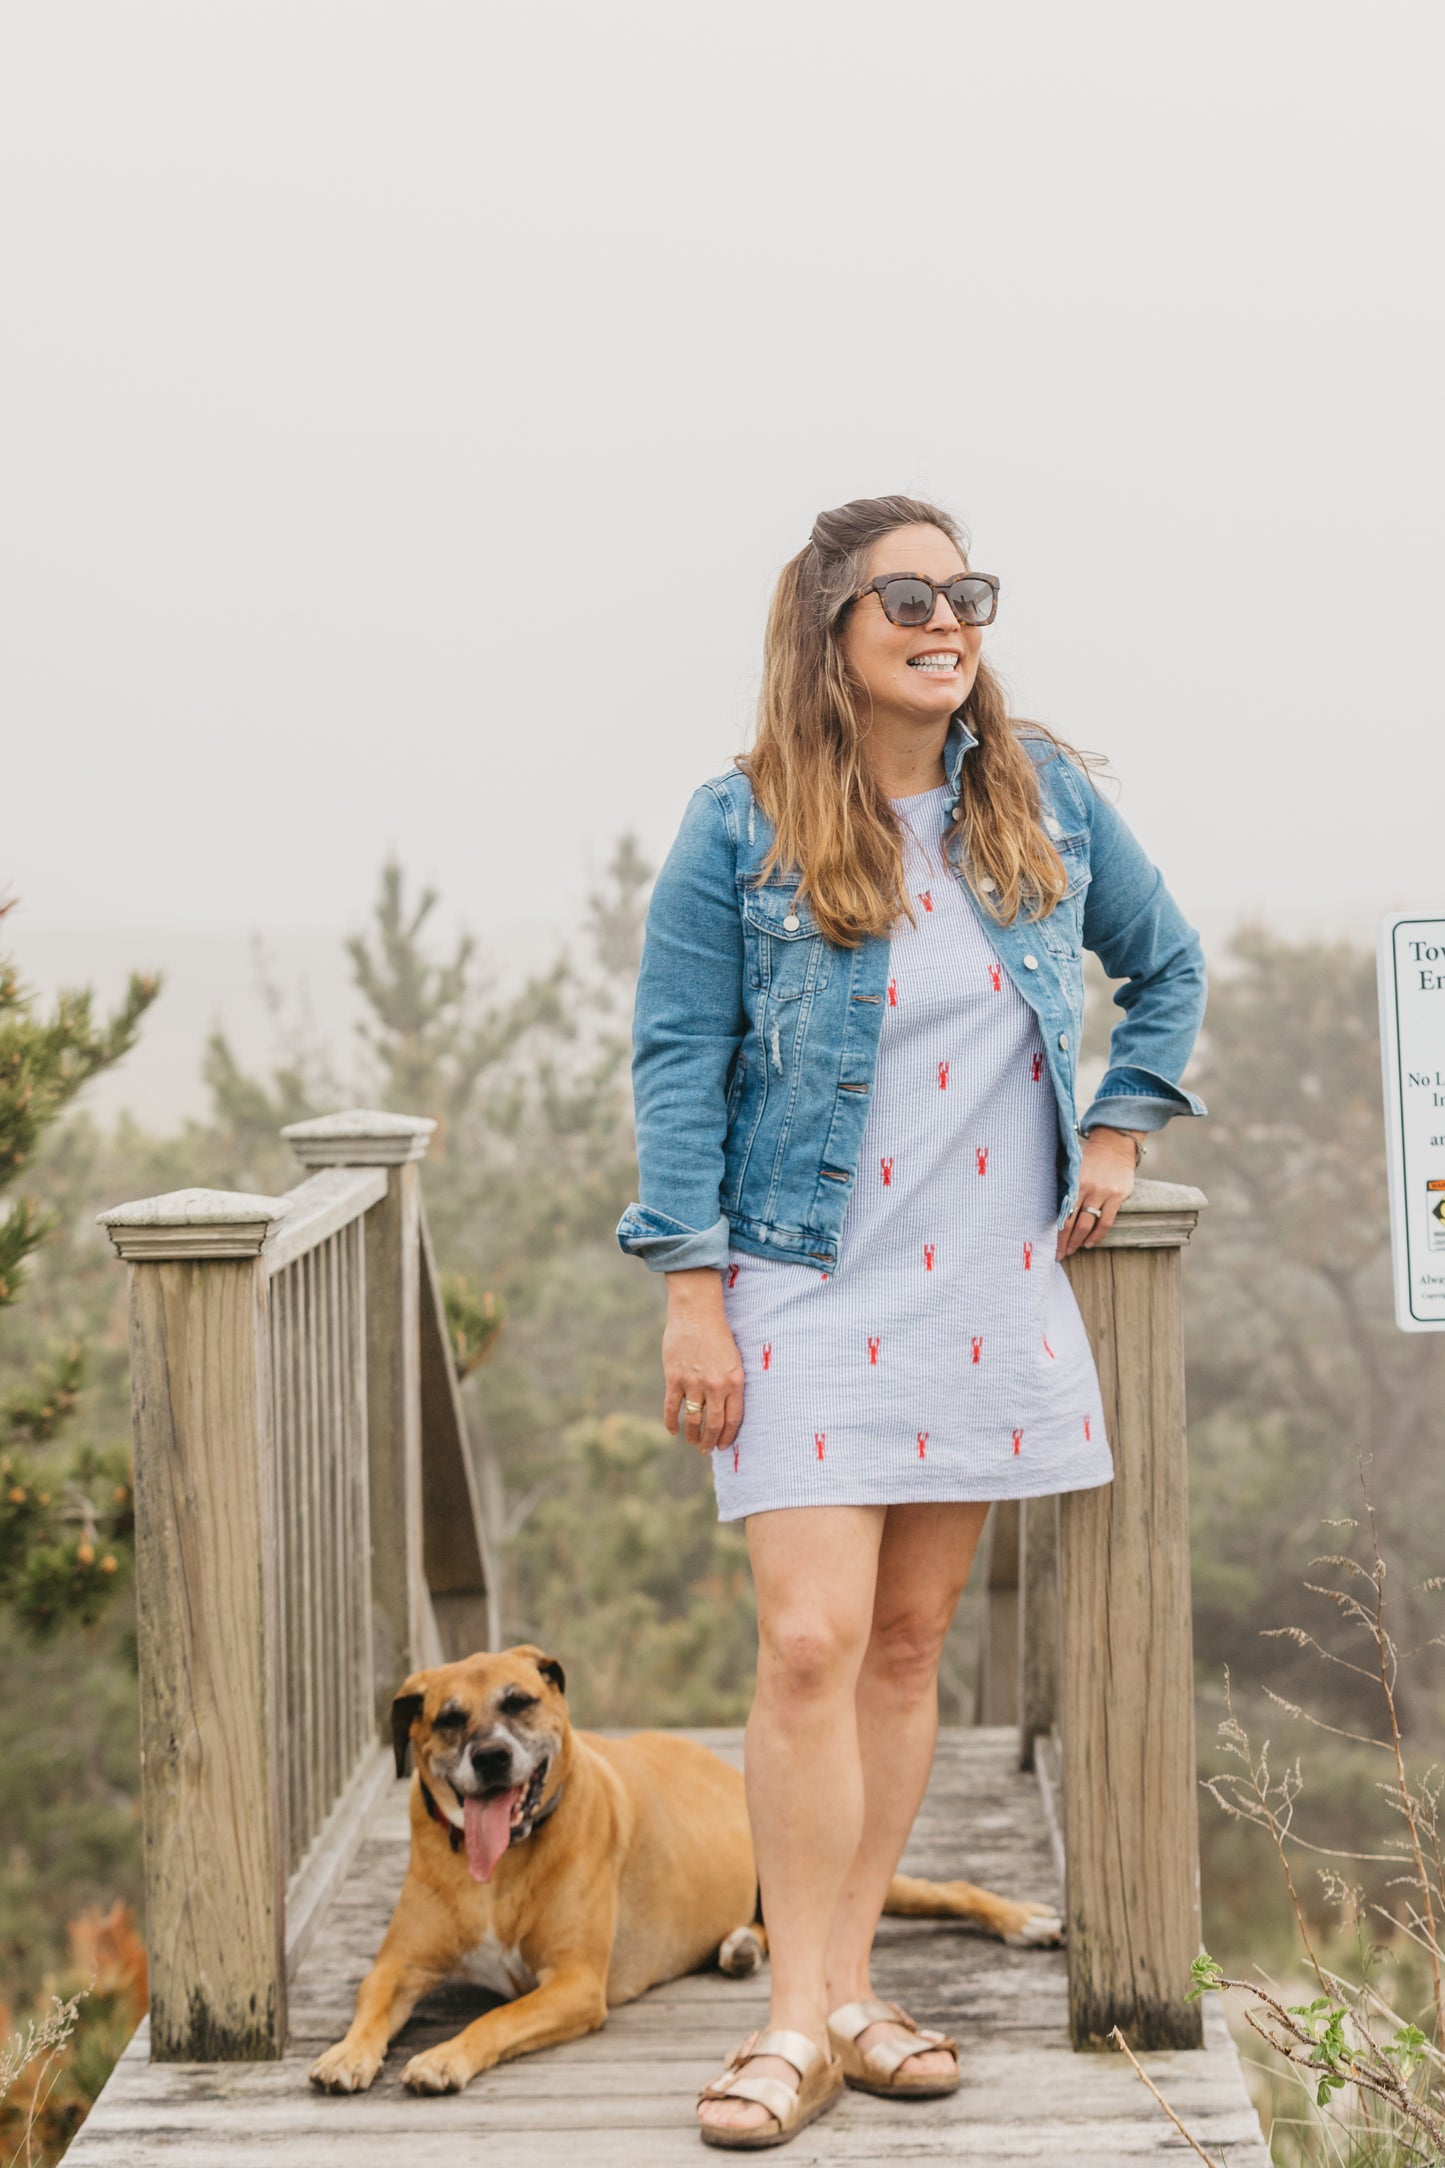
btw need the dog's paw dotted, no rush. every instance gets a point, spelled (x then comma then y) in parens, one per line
(440, 2070)
(1033, 1927)
(741, 1952)
(345, 2069)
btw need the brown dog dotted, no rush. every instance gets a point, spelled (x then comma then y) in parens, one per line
(567, 1872)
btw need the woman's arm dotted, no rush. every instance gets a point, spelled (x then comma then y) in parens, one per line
(686, 1028)
(1140, 935)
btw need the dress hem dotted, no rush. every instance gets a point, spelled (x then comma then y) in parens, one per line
(949, 1497)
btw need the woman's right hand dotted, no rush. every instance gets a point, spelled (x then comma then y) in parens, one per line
(700, 1361)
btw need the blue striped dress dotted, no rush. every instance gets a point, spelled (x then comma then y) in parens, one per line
(945, 1357)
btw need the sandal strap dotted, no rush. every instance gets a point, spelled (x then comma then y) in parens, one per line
(775, 2094)
(884, 2057)
(794, 2047)
(780, 2100)
(856, 2017)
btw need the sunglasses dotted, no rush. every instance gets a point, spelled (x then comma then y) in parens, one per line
(909, 599)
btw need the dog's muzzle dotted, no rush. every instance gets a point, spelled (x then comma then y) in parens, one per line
(494, 1820)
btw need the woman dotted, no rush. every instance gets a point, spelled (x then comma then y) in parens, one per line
(857, 1025)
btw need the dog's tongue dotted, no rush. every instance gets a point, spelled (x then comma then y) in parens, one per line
(487, 1826)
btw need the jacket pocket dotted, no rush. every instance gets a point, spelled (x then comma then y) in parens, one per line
(785, 951)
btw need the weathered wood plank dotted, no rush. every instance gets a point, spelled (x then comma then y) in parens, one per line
(455, 1550)
(1038, 1622)
(393, 1413)
(1127, 1692)
(996, 1691)
(208, 1634)
(332, 1856)
(358, 1631)
(318, 1207)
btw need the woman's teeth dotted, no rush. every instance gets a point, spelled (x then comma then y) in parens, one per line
(932, 662)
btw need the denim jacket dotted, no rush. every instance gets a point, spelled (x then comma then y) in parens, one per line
(755, 1039)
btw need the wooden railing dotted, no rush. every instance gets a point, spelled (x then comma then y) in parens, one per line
(307, 1532)
(1087, 1645)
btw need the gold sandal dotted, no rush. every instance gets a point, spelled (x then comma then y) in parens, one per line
(878, 2069)
(820, 2083)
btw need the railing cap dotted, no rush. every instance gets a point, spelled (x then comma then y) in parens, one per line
(193, 1223)
(361, 1137)
(1155, 1216)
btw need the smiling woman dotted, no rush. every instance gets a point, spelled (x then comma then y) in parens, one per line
(846, 646)
(858, 1018)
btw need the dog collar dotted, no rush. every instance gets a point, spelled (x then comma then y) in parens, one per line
(518, 1836)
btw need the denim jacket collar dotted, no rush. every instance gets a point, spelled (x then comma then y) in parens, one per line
(959, 740)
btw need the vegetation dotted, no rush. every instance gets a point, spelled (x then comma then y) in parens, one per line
(64, 1522)
(1354, 2073)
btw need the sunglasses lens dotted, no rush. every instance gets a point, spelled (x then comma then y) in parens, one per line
(971, 601)
(908, 602)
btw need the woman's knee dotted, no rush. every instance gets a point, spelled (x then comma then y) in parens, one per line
(807, 1654)
(904, 1649)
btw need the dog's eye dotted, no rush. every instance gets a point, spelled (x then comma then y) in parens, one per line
(450, 1718)
(516, 1703)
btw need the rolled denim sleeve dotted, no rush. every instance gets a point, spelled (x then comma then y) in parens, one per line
(1140, 935)
(686, 1028)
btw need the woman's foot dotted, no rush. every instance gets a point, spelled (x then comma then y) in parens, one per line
(751, 2114)
(927, 2063)
(871, 2052)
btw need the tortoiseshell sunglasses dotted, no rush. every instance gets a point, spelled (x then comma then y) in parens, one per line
(909, 599)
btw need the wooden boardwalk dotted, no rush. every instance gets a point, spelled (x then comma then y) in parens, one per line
(624, 2096)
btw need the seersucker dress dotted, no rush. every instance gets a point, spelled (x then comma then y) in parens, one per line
(945, 1358)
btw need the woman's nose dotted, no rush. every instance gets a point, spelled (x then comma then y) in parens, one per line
(943, 618)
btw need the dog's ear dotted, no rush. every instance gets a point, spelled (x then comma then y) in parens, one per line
(551, 1669)
(404, 1710)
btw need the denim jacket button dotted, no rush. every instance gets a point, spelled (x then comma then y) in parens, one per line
(1064, 1041)
(1031, 963)
(792, 922)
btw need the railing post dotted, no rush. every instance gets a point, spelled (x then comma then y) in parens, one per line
(995, 1698)
(1038, 1627)
(207, 1622)
(1131, 1826)
(404, 1631)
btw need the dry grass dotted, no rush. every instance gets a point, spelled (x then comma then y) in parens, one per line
(1348, 2081)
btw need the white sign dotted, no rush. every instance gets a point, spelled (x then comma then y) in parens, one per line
(1412, 1053)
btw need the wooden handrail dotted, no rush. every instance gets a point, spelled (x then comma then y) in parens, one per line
(320, 1208)
(299, 1442)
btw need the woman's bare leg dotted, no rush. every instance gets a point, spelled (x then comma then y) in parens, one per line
(814, 1568)
(923, 1563)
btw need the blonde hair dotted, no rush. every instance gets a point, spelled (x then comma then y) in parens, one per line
(807, 766)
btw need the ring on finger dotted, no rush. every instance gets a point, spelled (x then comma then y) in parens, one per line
(693, 1407)
(1096, 1209)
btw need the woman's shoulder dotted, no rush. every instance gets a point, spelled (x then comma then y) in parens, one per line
(1061, 769)
(732, 787)
(728, 797)
(720, 817)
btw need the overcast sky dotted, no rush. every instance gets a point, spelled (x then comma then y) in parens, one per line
(406, 409)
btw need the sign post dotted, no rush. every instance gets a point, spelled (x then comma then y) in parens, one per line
(1412, 1054)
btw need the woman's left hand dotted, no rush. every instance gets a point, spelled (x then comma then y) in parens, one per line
(1106, 1176)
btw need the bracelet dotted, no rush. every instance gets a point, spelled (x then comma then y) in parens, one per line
(1138, 1147)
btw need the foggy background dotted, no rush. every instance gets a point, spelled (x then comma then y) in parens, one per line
(406, 410)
